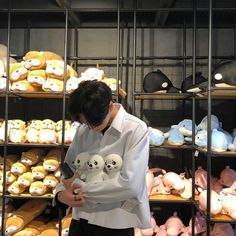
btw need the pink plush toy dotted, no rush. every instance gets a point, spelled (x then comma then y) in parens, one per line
(229, 206)
(216, 185)
(186, 193)
(152, 230)
(200, 179)
(230, 190)
(159, 187)
(199, 224)
(149, 181)
(173, 226)
(223, 229)
(161, 232)
(216, 205)
(227, 176)
(172, 180)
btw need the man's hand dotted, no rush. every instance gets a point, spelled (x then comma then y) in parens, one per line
(72, 196)
(68, 182)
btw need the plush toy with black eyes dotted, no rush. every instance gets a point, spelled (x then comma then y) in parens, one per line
(95, 169)
(113, 164)
(47, 132)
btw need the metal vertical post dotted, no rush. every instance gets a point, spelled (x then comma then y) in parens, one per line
(118, 51)
(208, 216)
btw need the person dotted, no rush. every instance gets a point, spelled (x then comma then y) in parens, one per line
(112, 207)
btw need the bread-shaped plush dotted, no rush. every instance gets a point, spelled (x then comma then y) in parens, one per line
(72, 84)
(18, 72)
(15, 188)
(47, 132)
(10, 178)
(32, 131)
(8, 207)
(39, 172)
(38, 188)
(55, 69)
(57, 173)
(24, 86)
(26, 179)
(17, 132)
(67, 131)
(24, 214)
(35, 60)
(37, 77)
(10, 160)
(32, 156)
(51, 229)
(52, 159)
(34, 228)
(53, 85)
(19, 168)
(50, 181)
(93, 74)
(72, 72)
(3, 84)
(66, 225)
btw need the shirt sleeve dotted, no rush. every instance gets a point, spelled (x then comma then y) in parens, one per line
(131, 182)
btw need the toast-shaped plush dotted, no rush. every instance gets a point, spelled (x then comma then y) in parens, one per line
(51, 229)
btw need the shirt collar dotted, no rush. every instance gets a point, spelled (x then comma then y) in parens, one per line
(118, 120)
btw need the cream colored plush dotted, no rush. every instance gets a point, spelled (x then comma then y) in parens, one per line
(37, 77)
(17, 132)
(26, 179)
(47, 132)
(15, 188)
(32, 156)
(18, 72)
(52, 159)
(38, 188)
(39, 172)
(50, 181)
(67, 132)
(19, 168)
(32, 131)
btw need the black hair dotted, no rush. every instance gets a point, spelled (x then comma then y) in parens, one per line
(91, 99)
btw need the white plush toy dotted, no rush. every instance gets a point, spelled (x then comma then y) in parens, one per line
(157, 137)
(80, 164)
(92, 74)
(113, 164)
(3, 84)
(72, 84)
(95, 169)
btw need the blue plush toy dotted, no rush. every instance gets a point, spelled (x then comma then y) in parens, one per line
(175, 137)
(215, 124)
(232, 146)
(185, 127)
(157, 137)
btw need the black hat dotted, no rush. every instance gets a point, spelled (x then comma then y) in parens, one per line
(188, 85)
(225, 72)
(156, 81)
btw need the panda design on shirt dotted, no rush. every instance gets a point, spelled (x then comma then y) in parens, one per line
(113, 164)
(95, 169)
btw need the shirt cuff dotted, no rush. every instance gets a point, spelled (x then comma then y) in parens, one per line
(60, 204)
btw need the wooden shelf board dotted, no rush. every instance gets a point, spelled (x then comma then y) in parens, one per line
(162, 96)
(171, 197)
(226, 153)
(28, 195)
(166, 145)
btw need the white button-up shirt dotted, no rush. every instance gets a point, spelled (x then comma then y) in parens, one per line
(128, 137)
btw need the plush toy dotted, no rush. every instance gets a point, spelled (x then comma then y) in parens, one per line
(215, 123)
(10, 160)
(172, 180)
(24, 86)
(24, 214)
(35, 60)
(230, 190)
(15, 188)
(53, 85)
(150, 231)
(37, 188)
(55, 70)
(50, 181)
(2, 130)
(216, 203)
(17, 133)
(9, 209)
(92, 74)
(34, 228)
(158, 186)
(227, 176)
(175, 137)
(199, 224)
(94, 169)
(18, 168)
(32, 131)
(52, 160)
(37, 77)
(3, 84)
(80, 164)
(185, 127)
(186, 193)
(173, 226)
(66, 225)
(57, 173)
(67, 131)
(39, 172)
(47, 132)
(157, 137)
(229, 206)
(26, 179)
(72, 84)
(3, 50)
(200, 179)
(223, 229)
(51, 229)
(113, 164)
(17, 72)
(10, 178)
(32, 156)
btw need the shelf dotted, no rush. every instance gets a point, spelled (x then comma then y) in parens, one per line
(27, 195)
(168, 198)
(168, 146)
(161, 96)
(215, 154)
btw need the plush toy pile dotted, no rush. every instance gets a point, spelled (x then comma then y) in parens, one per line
(38, 131)
(175, 227)
(35, 172)
(221, 140)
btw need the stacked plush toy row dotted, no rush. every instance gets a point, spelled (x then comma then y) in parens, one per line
(36, 172)
(28, 220)
(38, 131)
(221, 140)
(223, 190)
(175, 227)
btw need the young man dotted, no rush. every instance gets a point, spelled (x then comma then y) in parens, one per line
(112, 207)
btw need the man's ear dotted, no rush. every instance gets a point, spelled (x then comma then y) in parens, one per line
(111, 106)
